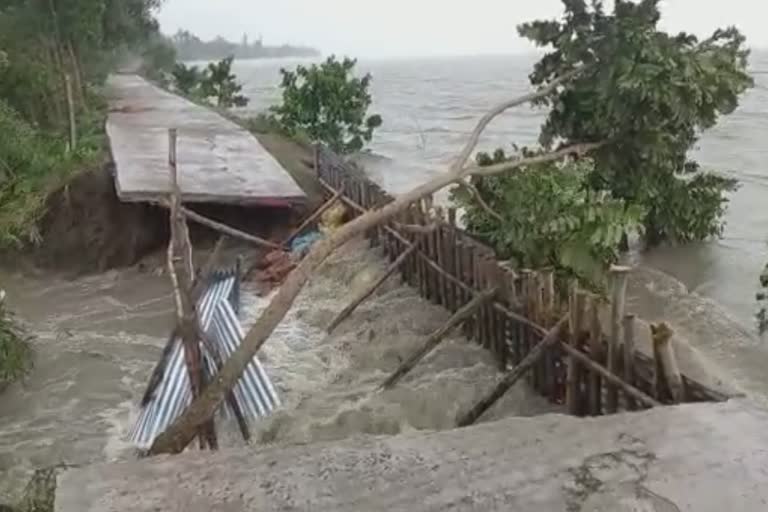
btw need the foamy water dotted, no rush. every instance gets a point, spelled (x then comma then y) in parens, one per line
(98, 338)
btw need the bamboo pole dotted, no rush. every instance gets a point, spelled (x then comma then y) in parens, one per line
(509, 380)
(436, 337)
(344, 314)
(71, 110)
(312, 218)
(548, 316)
(181, 274)
(618, 297)
(576, 323)
(629, 357)
(228, 230)
(596, 354)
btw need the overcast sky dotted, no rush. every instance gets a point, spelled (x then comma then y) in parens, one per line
(384, 28)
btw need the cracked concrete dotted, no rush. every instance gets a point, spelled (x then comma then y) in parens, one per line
(701, 457)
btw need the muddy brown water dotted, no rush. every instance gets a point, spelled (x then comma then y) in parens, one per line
(97, 339)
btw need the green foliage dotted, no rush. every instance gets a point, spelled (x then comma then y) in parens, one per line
(215, 83)
(32, 164)
(221, 84)
(648, 94)
(328, 104)
(44, 43)
(549, 217)
(15, 353)
(187, 79)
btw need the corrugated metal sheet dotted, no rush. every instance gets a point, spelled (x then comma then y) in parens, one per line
(254, 392)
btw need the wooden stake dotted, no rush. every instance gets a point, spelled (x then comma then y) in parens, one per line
(618, 296)
(667, 371)
(509, 380)
(181, 273)
(344, 314)
(436, 337)
(629, 356)
(228, 230)
(573, 391)
(609, 376)
(596, 354)
(312, 218)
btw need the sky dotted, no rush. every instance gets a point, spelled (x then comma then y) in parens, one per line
(402, 28)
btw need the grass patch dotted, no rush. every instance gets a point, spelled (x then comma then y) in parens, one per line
(33, 164)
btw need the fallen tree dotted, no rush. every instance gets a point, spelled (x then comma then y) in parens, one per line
(184, 429)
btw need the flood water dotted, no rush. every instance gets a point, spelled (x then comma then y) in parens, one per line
(430, 105)
(97, 338)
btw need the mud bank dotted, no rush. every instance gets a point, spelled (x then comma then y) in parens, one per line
(86, 229)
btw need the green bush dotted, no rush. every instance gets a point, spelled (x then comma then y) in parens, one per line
(327, 104)
(33, 164)
(647, 95)
(549, 217)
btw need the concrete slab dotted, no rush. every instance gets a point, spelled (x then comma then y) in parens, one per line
(217, 160)
(702, 457)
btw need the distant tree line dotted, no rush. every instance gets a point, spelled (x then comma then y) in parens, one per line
(190, 47)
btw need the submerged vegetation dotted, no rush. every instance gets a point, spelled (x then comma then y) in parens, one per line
(15, 353)
(645, 95)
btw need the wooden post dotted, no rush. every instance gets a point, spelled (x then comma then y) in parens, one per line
(609, 376)
(596, 354)
(548, 316)
(181, 272)
(436, 337)
(618, 296)
(439, 242)
(526, 334)
(629, 356)
(509, 380)
(667, 372)
(573, 392)
(71, 110)
(369, 291)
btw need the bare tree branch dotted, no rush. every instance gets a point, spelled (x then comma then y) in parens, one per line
(483, 204)
(499, 109)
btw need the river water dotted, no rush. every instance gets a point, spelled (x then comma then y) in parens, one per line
(98, 337)
(429, 106)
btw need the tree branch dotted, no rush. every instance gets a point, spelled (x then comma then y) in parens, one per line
(499, 109)
(483, 204)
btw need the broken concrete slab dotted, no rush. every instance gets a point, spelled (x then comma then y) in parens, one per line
(218, 161)
(702, 457)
